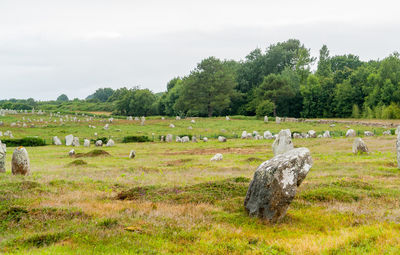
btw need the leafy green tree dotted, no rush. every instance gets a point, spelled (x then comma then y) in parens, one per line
(208, 89)
(62, 98)
(265, 107)
(324, 63)
(102, 94)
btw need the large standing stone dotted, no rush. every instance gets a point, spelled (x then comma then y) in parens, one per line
(265, 118)
(86, 143)
(277, 120)
(56, 141)
(75, 142)
(283, 142)
(350, 133)
(110, 143)
(327, 134)
(268, 135)
(275, 183)
(69, 139)
(359, 146)
(132, 154)
(221, 139)
(312, 134)
(20, 161)
(168, 138)
(3, 153)
(217, 157)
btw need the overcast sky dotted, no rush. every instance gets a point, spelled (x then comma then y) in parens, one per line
(50, 47)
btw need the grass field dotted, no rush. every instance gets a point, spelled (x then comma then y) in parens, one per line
(172, 199)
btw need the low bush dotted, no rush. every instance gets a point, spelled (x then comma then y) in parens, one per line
(26, 142)
(136, 139)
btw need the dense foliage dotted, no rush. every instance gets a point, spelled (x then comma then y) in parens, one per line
(278, 81)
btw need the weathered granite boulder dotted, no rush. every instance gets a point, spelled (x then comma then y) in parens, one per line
(221, 139)
(3, 154)
(205, 139)
(69, 139)
(110, 143)
(283, 142)
(185, 139)
(368, 133)
(56, 141)
(326, 134)
(217, 157)
(275, 183)
(312, 134)
(71, 153)
(86, 143)
(350, 133)
(169, 138)
(75, 142)
(268, 135)
(387, 132)
(359, 146)
(99, 143)
(20, 162)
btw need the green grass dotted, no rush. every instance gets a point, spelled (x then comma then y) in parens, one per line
(170, 199)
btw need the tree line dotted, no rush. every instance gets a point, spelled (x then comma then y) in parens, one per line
(277, 81)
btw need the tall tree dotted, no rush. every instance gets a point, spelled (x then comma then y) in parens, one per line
(208, 89)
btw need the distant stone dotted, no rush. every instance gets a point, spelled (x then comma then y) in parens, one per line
(71, 153)
(249, 136)
(283, 142)
(20, 162)
(178, 139)
(205, 139)
(255, 133)
(171, 125)
(387, 132)
(169, 138)
(193, 121)
(217, 157)
(178, 118)
(69, 139)
(110, 143)
(275, 183)
(86, 143)
(368, 133)
(312, 134)
(327, 134)
(332, 125)
(244, 135)
(268, 135)
(75, 142)
(56, 141)
(3, 154)
(277, 120)
(221, 139)
(162, 118)
(194, 139)
(297, 136)
(132, 154)
(99, 143)
(106, 127)
(227, 118)
(258, 137)
(185, 139)
(359, 146)
(162, 139)
(190, 127)
(319, 136)
(350, 133)
(265, 118)
(142, 120)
